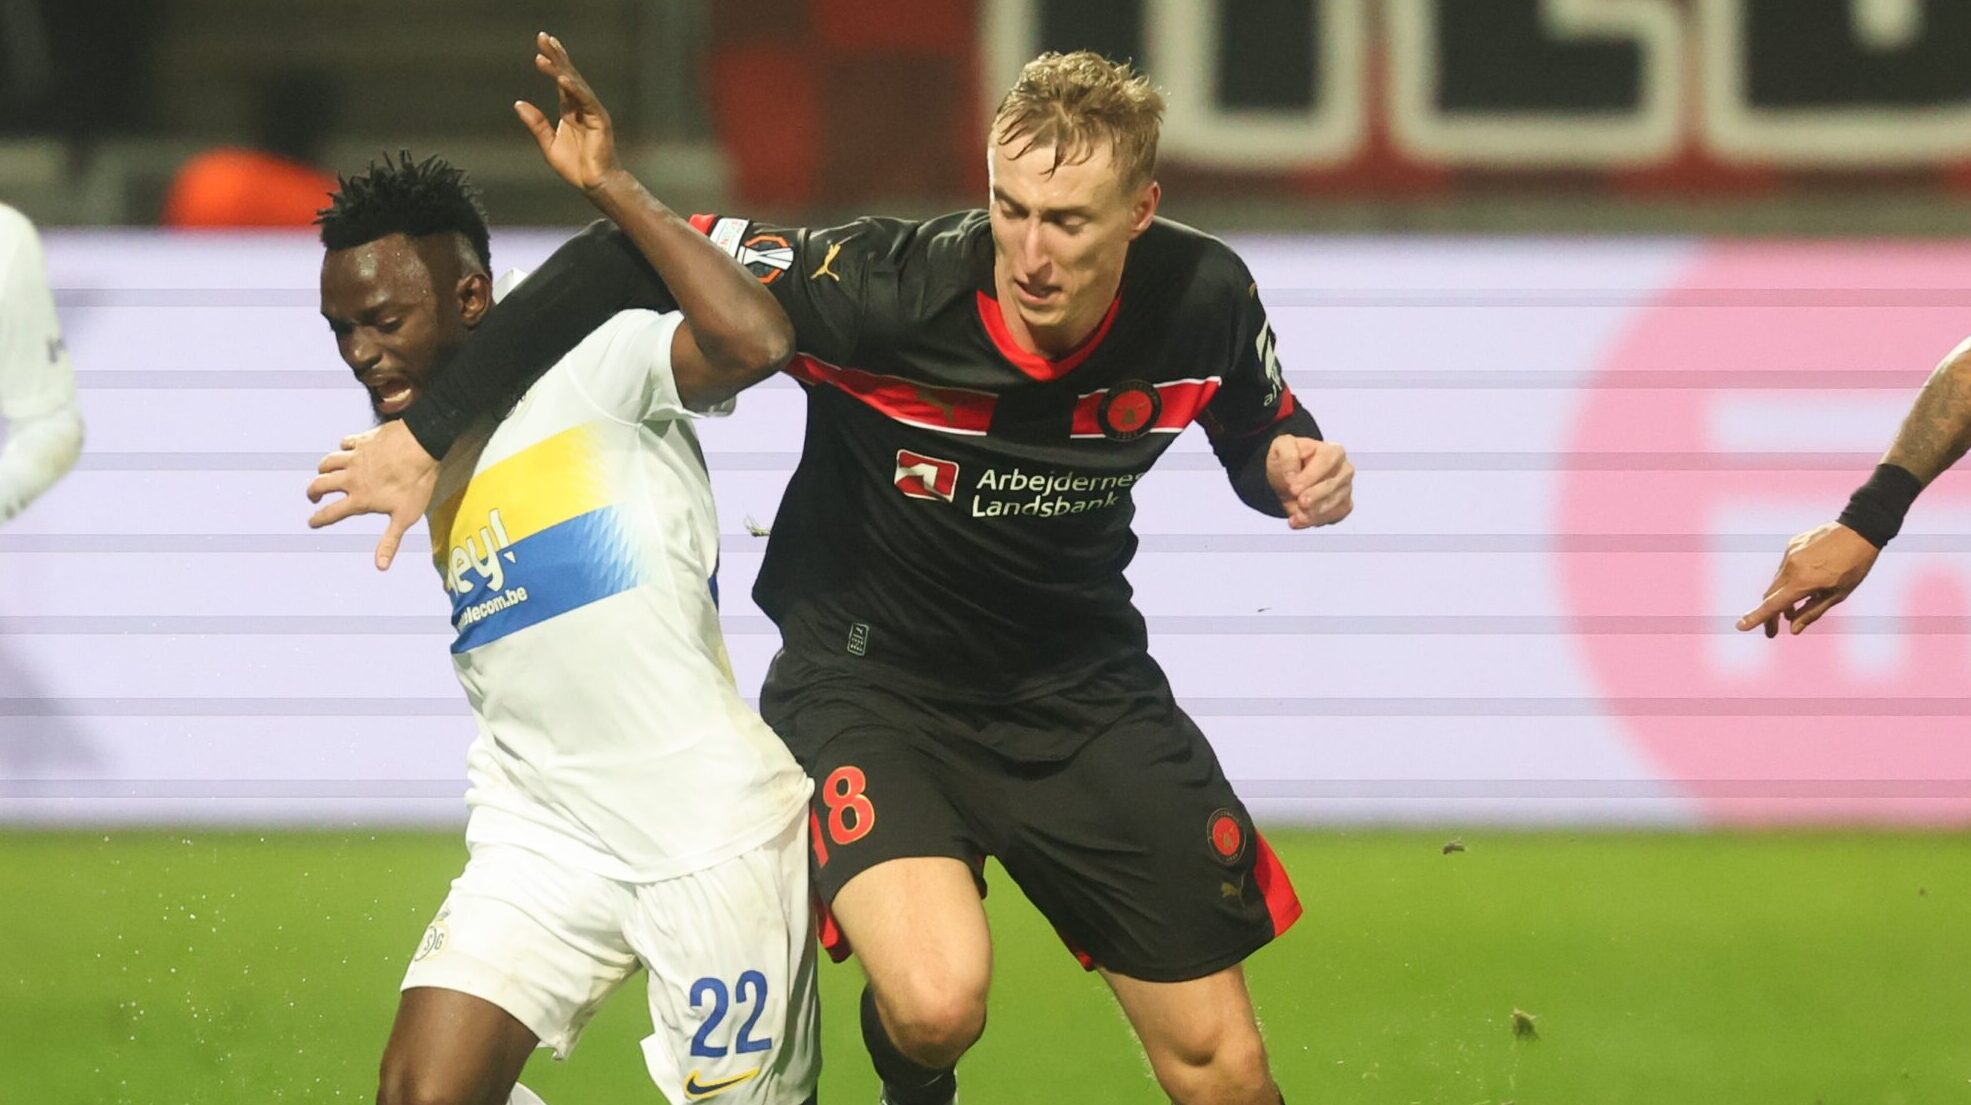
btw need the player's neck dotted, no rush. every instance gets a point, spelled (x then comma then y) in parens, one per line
(1051, 342)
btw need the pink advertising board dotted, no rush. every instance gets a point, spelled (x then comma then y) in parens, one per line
(1579, 462)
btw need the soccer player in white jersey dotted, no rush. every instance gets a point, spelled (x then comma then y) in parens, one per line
(627, 806)
(37, 386)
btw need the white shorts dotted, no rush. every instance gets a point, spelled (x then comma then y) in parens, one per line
(730, 952)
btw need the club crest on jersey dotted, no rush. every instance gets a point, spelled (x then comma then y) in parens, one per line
(1128, 411)
(767, 256)
(922, 477)
(1227, 836)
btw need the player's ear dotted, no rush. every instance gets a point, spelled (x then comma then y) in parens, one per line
(475, 294)
(1145, 208)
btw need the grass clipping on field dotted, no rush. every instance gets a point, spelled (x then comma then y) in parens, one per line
(1523, 1027)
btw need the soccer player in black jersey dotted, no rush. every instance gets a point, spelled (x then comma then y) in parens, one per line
(963, 672)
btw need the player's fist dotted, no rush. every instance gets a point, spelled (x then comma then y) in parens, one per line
(581, 146)
(1314, 480)
(1822, 567)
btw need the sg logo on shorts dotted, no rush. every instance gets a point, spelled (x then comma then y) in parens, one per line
(434, 936)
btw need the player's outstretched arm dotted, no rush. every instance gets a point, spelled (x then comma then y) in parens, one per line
(734, 334)
(1823, 566)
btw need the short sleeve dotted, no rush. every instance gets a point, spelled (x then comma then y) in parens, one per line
(625, 369)
(35, 375)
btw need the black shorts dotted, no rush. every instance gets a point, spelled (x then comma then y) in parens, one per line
(1127, 837)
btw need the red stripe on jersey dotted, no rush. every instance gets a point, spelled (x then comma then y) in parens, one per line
(1180, 402)
(1287, 407)
(948, 410)
(703, 223)
(1033, 364)
(1282, 904)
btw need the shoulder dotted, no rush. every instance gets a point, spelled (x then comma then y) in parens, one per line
(627, 332)
(1203, 262)
(902, 243)
(904, 270)
(1193, 279)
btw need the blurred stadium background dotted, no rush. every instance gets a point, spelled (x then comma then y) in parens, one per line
(1606, 297)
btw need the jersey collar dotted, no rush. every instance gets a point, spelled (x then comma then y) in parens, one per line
(1033, 364)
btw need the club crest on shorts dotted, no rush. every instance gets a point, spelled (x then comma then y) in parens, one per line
(1227, 837)
(1128, 411)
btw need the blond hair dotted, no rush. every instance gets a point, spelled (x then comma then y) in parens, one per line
(1075, 103)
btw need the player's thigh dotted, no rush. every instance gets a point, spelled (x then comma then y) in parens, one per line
(454, 1048)
(1143, 857)
(731, 955)
(531, 936)
(898, 839)
(919, 929)
(1198, 1029)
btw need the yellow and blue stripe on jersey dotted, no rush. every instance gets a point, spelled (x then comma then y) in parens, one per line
(530, 538)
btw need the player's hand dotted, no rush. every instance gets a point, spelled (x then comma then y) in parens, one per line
(1314, 480)
(380, 471)
(581, 147)
(1822, 567)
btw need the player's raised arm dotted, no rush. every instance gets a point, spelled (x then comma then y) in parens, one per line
(734, 334)
(1271, 447)
(1824, 565)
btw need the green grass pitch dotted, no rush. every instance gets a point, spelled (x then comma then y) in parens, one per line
(1789, 969)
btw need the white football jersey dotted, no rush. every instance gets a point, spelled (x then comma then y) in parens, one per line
(579, 545)
(37, 385)
(35, 376)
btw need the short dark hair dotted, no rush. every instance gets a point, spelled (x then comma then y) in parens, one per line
(401, 196)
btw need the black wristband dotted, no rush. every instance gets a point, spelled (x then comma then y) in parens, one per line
(1877, 507)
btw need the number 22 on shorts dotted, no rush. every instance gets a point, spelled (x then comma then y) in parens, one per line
(850, 812)
(751, 989)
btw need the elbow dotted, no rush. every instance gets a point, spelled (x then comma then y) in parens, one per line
(757, 351)
(776, 345)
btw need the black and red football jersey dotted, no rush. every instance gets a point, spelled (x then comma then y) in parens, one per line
(961, 513)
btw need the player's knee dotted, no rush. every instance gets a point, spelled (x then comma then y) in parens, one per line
(932, 1021)
(405, 1081)
(1220, 1068)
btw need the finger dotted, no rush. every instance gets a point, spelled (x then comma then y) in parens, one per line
(1827, 600)
(1777, 600)
(1334, 509)
(327, 484)
(550, 48)
(1327, 488)
(386, 546)
(1282, 462)
(335, 461)
(333, 513)
(355, 441)
(536, 123)
(575, 97)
